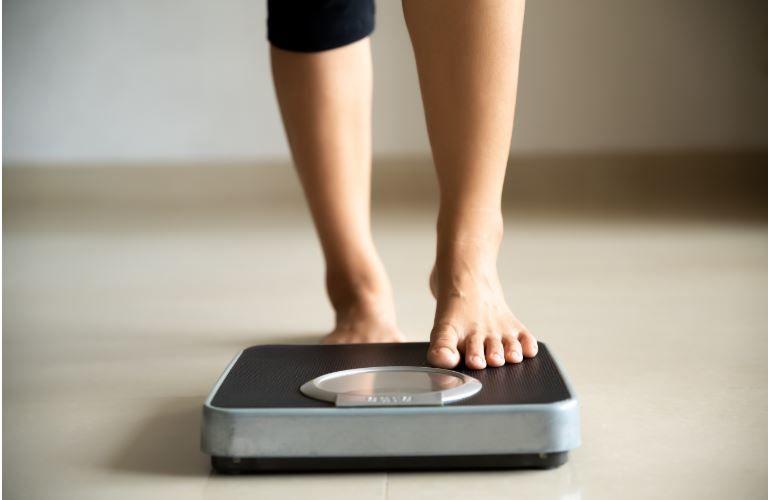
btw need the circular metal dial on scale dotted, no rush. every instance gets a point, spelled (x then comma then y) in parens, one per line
(392, 386)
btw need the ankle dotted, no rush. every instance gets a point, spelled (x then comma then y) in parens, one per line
(469, 236)
(361, 286)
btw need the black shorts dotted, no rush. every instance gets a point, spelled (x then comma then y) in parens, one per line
(315, 25)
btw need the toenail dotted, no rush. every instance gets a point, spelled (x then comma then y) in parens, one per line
(478, 360)
(497, 356)
(444, 350)
(516, 356)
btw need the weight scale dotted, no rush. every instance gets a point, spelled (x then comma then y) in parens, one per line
(381, 407)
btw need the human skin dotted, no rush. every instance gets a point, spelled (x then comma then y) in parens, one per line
(467, 56)
(325, 99)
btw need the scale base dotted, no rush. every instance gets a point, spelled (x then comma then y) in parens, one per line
(229, 465)
(256, 418)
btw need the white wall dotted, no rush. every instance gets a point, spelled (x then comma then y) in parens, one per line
(146, 80)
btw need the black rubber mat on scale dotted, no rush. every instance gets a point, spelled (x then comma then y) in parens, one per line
(269, 376)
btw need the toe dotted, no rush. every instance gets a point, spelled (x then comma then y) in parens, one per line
(494, 351)
(474, 352)
(443, 351)
(513, 351)
(528, 341)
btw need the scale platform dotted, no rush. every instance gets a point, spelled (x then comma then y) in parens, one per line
(381, 407)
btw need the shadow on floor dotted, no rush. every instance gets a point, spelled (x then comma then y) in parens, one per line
(304, 338)
(167, 443)
(248, 339)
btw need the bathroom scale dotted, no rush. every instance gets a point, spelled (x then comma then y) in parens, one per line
(382, 407)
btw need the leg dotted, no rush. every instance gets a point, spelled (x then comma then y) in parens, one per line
(467, 54)
(325, 100)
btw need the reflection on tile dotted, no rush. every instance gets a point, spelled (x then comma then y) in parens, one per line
(556, 484)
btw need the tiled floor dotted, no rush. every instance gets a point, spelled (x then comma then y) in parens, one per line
(117, 323)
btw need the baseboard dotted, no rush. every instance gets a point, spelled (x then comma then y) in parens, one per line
(707, 184)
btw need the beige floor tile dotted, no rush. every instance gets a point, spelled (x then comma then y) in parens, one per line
(116, 326)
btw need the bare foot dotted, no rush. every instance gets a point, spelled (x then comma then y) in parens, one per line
(365, 310)
(472, 318)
